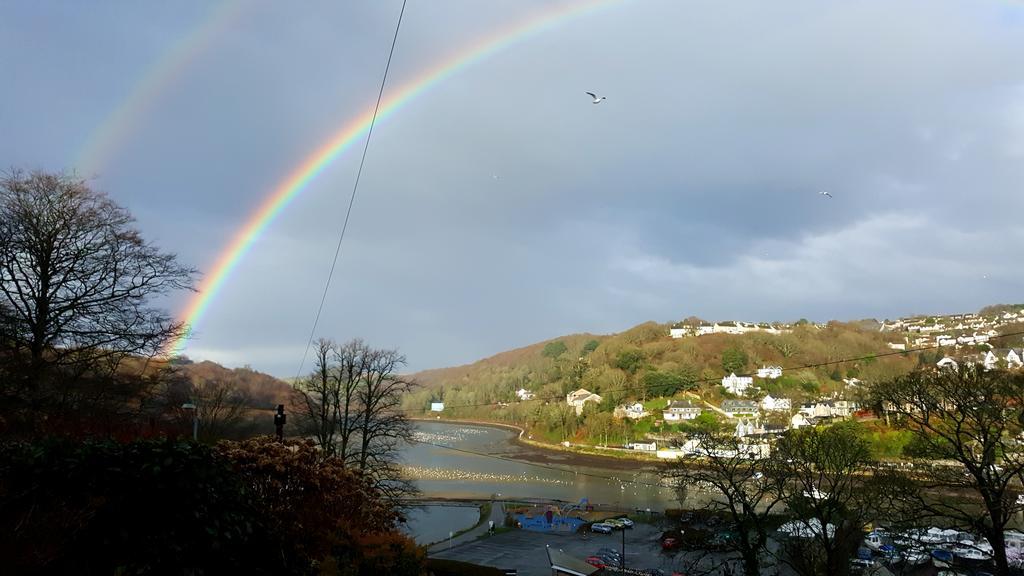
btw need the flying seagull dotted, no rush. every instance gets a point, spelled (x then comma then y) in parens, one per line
(596, 99)
(823, 193)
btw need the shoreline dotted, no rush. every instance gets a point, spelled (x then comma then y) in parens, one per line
(542, 453)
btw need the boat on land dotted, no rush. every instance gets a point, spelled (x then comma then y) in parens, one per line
(876, 539)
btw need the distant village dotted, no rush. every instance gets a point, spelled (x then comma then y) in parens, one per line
(964, 338)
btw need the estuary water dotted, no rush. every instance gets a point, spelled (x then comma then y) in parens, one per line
(502, 469)
(432, 522)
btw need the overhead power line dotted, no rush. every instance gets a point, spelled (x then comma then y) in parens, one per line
(352, 197)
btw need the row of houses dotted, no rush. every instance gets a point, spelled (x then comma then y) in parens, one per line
(682, 330)
(945, 340)
(683, 410)
(969, 321)
(955, 331)
(738, 385)
(1009, 358)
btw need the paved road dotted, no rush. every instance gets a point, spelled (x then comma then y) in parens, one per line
(497, 516)
(525, 552)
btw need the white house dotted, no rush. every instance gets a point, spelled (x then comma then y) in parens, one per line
(829, 409)
(580, 397)
(947, 362)
(747, 428)
(437, 406)
(799, 420)
(817, 409)
(634, 411)
(645, 446)
(678, 410)
(737, 384)
(990, 360)
(896, 345)
(678, 332)
(844, 408)
(524, 394)
(769, 372)
(1013, 359)
(945, 340)
(770, 404)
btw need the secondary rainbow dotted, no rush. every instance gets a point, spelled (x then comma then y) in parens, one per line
(118, 126)
(285, 192)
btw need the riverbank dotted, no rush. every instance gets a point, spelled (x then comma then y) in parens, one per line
(543, 453)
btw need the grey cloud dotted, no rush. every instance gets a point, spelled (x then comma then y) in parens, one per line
(691, 190)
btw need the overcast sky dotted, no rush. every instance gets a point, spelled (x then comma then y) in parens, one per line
(692, 190)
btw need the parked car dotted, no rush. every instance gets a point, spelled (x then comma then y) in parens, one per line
(609, 554)
(628, 523)
(671, 540)
(596, 561)
(616, 522)
(602, 528)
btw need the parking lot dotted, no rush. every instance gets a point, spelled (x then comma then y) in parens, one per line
(525, 551)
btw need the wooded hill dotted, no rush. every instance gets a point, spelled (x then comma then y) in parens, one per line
(645, 364)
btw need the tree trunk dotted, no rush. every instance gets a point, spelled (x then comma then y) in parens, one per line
(751, 557)
(998, 542)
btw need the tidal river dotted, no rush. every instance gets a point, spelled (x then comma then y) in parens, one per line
(523, 472)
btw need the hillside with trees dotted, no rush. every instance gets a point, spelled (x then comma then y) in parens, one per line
(643, 364)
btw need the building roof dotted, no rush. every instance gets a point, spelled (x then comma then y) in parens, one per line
(733, 404)
(681, 404)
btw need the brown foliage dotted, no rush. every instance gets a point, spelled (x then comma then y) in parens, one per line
(323, 509)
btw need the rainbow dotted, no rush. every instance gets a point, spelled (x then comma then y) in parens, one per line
(288, 189)
(118, 126)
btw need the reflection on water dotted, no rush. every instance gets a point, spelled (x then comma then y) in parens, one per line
(429, 524)
(442, 472)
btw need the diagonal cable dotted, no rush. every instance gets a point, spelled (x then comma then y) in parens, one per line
(352, 198)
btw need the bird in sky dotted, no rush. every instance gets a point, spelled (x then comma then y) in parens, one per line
(596, 99)
(495, 176)
(823, 193)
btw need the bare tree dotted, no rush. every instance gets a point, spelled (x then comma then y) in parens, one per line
(972, 417)
(329, 401)
(316, 398)
(748, 490)
(352, 404)
(383, 427)
(220, 405)
(353, 364)
(76, 283)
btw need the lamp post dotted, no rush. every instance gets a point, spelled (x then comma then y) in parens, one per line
(622, 561)
(195, 419)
